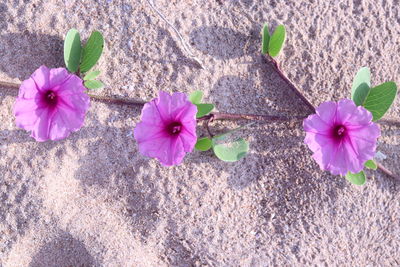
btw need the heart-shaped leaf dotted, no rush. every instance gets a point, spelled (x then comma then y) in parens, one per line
(230, 151)
(92, 51)
(276, 41)
(203, 109)
(265, 39)
(203, 144)
(196, 97)
(91, 75)
(92, 84)
(380, 98)
(361, 86)
(72, 50)
(356, 178)
(371, 164)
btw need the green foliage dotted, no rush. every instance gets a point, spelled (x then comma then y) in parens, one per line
(203, 109)
(72, 50)
(230, 151)
(195, 97)
(265, 39)
(276, 41)
(380, 98)
(361, 86)
(371, 164)
(91, 75)
(356, 178)
(92, 51)
(203, 144)
(93, 84)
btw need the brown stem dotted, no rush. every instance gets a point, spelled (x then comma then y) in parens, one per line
(119, 101)
(210, 117)
(288, 82)
(206, 125)
(388, 172)
(250, 117)
(9, 85)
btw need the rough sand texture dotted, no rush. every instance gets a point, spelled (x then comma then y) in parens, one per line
(93, 200)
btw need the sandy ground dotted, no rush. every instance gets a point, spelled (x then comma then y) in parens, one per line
(93, 200)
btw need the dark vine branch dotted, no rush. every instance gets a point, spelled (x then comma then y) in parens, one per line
(278, 70)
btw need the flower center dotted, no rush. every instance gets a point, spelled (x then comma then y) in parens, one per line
(50, 97)
(339, 132)
(174, 128)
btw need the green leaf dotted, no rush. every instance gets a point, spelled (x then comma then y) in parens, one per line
(92, 51)
(371, 164)
(380, 98)
(356, 178)
(277, 40)
(195, 97)
(361, 86)
(72, 50)
(91, 75)
(92, 84)
(203, 144)
(203, 109)
(231, 151)
(265, 39)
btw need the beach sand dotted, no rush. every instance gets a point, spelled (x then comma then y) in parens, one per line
(93, 200)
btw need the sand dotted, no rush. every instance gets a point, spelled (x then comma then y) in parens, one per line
(93, 200)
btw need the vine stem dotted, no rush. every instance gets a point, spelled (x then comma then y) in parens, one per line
(250, 117)
(278, 70)
(388, 172)
(210, 117)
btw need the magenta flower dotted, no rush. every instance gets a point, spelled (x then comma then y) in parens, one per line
(342, 136)
(167, 130)
(51, 104)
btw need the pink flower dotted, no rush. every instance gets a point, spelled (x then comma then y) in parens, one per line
(342, 136)
(167, 130)
(51, 104)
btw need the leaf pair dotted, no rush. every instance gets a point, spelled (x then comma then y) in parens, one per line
(78, 58)
(225, 151)
(90, 81)
(360, 178)
(273, 44)
(202, 109)
(377, 99)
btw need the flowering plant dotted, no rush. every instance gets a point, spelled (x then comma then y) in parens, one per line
(342, 135)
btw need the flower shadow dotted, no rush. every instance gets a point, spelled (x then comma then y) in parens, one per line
(63, 250)
(22, 53)
(219, 42)
(112, 164)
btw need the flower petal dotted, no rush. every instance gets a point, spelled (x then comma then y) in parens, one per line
(327, 111)
(28, 89)
(41, 128)
(169, 151)
(57, 77)
(345, 111)
(41, 78)
(315, 124)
